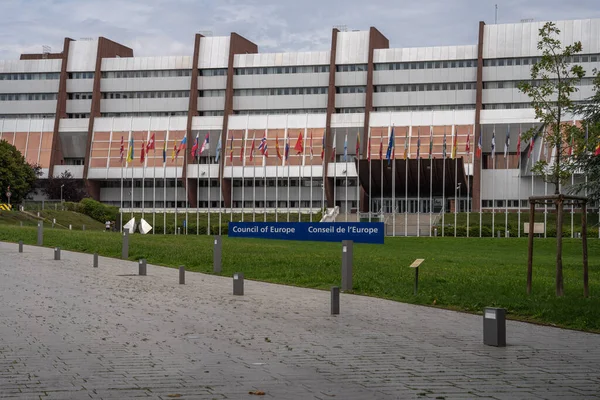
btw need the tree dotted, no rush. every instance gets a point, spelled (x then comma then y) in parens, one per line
(72, 189)
(553, 80)
(15, 173)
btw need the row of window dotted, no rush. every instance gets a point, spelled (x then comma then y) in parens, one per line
(351, 89)
(165, 73)
(78, 115)
(26, 116)
(79, 96)
(349, 110)
(146, 95)
(213, 72)
(308, 69)
(213, 113)
(351, 67)
(501, 62)
(425, 87)
(535, 83)
(81, 75)
(212, 93)
(280, 91)
(282, 111)
(425, 65)
(30, 76)
(27, 96)
(146, 114)
(438, 107)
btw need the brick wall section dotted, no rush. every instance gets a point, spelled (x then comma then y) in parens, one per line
(376, 41)
(476, 195)
(237, 45)
(40, 56)
(61, 108)
(330, 110)
(109, 49)
(192, 112)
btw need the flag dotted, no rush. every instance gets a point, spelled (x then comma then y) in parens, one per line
(182, 145)
(507, 142)
(286, 150)
(252, 149)
(276, 146)
(122, 151)
(264, 147)
(231, 149)
(164, 151)
(130, 151)
(143, 153)
(406, 146)
(150, 145)
(218, 150)
(479, 146)
(597, 152)
(311, 145)
(494, 143)
(388, 154)
(369, 149)
(346, 148)
(418, 143)
(299, 147)
(430, 142)
(194, 152)
(381, 148)
(174, 152)
(357, 150)
(445, 147)
(205, 145)
(519, 143)
(454, 145)
(323, 147)
(468, 145)
(333, 147)
(531, 145)
(242, 153)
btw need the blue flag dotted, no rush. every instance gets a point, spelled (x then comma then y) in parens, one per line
(388, 154)
(346, 148)
(218, 150)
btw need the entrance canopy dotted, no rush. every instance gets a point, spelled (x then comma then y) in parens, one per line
(413, 174)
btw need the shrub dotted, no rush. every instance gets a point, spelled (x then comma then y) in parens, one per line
(98, 211)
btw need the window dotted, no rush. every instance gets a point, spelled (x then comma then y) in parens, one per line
(146, 94)
(213, 72)
(28, 96)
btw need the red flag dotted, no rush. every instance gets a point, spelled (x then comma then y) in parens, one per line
(195, 148)
(299, 147)
(357, 149)
(468, 144)
(531, 147)
(597, 153)
(143, 153)
(381, 148)
(252, 150)
(122, 149)
(323, 147)
(276, 146)
(519, 143)
(150, 145)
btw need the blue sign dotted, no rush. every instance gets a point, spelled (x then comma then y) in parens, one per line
(359, 232)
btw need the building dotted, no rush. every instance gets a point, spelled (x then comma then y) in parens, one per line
(72, 110)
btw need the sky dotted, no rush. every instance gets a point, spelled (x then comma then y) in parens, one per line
(167, 27)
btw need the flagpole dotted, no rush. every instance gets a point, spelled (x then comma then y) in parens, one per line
(166, 144)
(311, 177)
(469, 203)
(545, 193)
(121, 150)
(480, 150)
(243, 160)
(302, 162)
(572, 184)
(419, 182)
(494, 182)
(187, 186)
(176, 184)
(381, 162)
(323, 205)
(454, 154)
(253, 180)
(334, 170)
(406, 157)
(208, 227)
(358, 176)
(154, 187)
(519, 185)
(131, 141)
(264, 162)
(197, 184)
(346, 177)
(277, 178)
(219, 154)
(285, 157)
(144, 167)
(431, 176)
(231, 186)
(507, 154)
(444, 183)
(370, 208)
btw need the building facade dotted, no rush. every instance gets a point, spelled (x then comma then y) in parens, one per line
(74, 110)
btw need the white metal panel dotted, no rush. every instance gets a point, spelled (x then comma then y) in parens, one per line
(204, 123)
(278, 121)
(80, 85)
(356, 78)
(352, 47)
(212, 82)
(82, 55)
(146, 63)
(123, 124)
(214, 52)
(349, 100)
(29, 107)
(354, 120)
(74, 125)
(144, 105)
(281, 59)
(79, 106)
(39, 86)
(211, 103)
(439, 53)
(144, 84)
(14, 66)
(75, 170)
(422, 118)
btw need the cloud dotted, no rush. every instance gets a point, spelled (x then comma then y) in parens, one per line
(167, 27)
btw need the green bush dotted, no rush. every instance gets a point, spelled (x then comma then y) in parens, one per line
(98, 211)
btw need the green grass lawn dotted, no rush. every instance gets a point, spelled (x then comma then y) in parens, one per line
(458, 273)
(63, 219)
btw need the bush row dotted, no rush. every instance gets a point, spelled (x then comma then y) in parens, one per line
(486, 231)
(94, 209)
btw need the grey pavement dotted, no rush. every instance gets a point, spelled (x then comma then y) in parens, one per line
(69, 331)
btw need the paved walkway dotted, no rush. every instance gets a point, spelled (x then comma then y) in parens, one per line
(69, 331)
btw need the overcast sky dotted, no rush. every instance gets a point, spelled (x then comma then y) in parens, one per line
(167, 27)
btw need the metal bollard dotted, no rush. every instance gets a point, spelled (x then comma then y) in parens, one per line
(70, 227)
(21, 224)
(347, 246)
(507, 234)
(335, 300)
(40, 234)
(125, 246)
(83, 227)
(217, 251)
(142, 267)
(238, 284)
(178, 231)
(494, 327)
(435, 232)
(95, 260)
(181, 275)
(57, 253)
(499, 234)
(20, 246)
